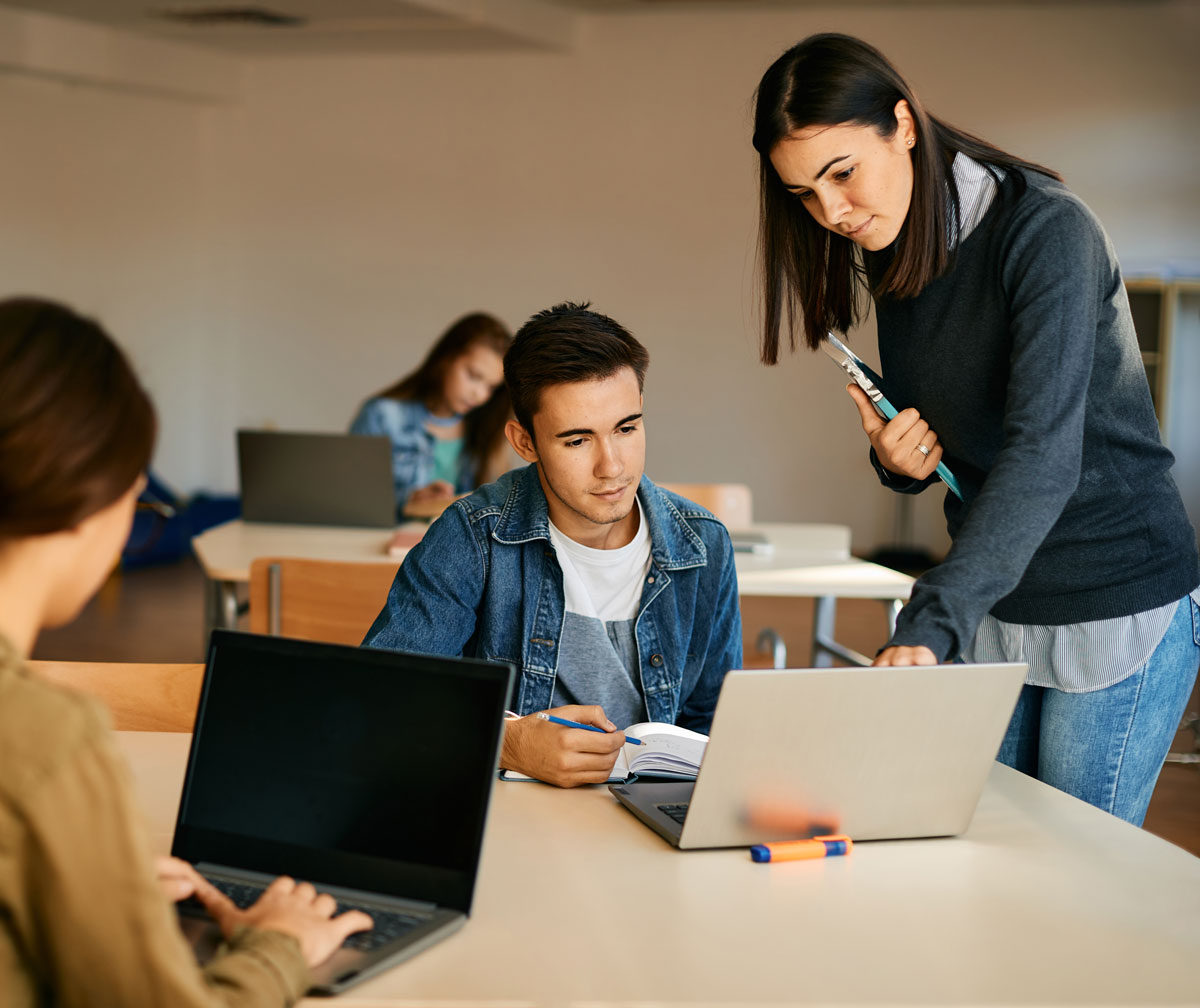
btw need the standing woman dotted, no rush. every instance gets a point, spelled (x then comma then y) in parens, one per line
(84, 923)
(446, 419)
(1005, 330)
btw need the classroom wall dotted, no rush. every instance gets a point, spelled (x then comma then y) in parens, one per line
(273, 257)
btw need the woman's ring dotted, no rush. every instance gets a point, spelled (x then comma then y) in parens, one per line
(922, 449)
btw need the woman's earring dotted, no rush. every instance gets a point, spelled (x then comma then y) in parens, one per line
(911, 141)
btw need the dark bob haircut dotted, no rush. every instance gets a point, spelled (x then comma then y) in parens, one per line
(76, 426)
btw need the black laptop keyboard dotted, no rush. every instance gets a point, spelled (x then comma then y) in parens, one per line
(389, 924)
(677, 811)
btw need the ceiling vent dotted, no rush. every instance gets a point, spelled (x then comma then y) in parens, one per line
(226, 16)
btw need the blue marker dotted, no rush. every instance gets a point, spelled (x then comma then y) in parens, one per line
(586, 727)
(802, 850)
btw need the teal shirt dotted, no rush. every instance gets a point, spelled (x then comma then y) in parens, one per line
(447, 459)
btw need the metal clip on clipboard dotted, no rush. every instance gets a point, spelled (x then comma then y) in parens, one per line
(848, 361)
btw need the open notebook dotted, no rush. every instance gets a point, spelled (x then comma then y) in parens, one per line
(667, 751)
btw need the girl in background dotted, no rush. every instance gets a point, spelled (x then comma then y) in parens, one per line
(84, 921)
(1007, 343)
(446, 419)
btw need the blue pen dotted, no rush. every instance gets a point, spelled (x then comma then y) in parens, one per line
(586, 727)
(848, 361)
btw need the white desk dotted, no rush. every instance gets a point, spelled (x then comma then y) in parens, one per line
(226, 551)
(808, 561)
(1044, 901)
(814, 561)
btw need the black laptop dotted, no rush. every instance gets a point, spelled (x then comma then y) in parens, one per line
(365, 772)
(316, 479)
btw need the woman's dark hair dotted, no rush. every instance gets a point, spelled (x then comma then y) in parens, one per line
(567, 343)
(76, 426)
(807, 270)
(484, 433)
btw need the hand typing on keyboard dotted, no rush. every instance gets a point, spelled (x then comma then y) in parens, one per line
(292, 907)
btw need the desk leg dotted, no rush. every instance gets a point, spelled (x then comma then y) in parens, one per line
(221, 609)
(824, 647)
(824, 617)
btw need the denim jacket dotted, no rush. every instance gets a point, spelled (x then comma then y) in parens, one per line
(403, 422)
(484, 582)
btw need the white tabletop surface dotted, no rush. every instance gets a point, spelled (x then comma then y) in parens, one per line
(807, 560)
(227, 550)
(1044, 900)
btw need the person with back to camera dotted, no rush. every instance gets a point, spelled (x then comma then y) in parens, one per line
(84, 923)
(446, 419)
(1006, 342)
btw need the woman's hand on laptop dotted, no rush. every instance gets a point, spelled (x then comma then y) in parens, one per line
(177, 879)
(556, 754)
(898, 655)
(294, 908)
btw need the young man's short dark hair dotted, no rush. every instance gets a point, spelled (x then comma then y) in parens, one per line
(567, 343)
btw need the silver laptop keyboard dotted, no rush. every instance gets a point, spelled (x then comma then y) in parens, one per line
(389, 924)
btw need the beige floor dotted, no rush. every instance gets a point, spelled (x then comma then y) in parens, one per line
(155, 615)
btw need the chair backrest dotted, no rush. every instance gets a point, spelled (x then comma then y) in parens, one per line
(140, 697)
(323, 600)
(730, 502)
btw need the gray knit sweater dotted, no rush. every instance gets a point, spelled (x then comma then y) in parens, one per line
(1023, 360)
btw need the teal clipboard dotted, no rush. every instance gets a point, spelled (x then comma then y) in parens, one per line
(868, 380)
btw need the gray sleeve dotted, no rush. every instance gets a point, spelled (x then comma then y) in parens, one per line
(1056, 272)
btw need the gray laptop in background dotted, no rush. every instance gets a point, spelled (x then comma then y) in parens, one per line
(316, 479)
(875, 753)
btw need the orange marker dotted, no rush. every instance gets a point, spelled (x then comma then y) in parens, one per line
(798, 850)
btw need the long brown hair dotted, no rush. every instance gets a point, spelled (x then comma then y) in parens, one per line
(484, 425)
(76, 426)
(806, 271)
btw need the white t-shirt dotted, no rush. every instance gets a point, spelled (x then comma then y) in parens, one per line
(597, 657)
(605, 584)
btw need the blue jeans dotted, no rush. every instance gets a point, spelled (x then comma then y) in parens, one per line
(1107, 747)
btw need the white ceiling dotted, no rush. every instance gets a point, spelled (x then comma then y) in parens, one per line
(386, 25)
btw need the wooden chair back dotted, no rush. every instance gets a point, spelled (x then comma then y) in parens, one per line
(730, 502)
(322, 600)
(140, 696)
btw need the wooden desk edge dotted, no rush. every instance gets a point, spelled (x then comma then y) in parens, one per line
(140, 696)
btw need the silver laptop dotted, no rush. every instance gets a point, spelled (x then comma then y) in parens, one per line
(316, 479)
(874, 753)
(366, 772)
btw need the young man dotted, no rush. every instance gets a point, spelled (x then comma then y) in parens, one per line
(615, 599)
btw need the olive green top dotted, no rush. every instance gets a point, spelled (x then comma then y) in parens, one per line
(82, 919)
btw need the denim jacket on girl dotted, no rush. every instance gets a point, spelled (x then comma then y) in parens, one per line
(403, 422)
(484, 582)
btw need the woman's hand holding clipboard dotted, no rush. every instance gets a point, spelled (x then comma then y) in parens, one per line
(865, 378)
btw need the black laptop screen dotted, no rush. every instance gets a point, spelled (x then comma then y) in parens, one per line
(350, 766)
(316, 479)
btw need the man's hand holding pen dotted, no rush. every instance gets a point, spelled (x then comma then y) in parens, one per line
(565, 757)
